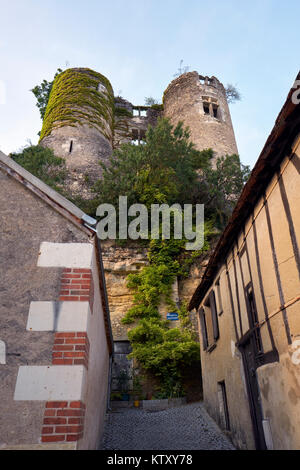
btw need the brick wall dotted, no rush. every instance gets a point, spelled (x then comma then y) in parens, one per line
(63, 421)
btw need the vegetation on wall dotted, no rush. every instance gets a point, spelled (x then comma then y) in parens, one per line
(168, 169)
(43, 164)
(75, 98)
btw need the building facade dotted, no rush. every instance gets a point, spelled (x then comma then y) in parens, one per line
(248, 302)
(56, 343)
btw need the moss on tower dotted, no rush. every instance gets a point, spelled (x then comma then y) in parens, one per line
(75, 99)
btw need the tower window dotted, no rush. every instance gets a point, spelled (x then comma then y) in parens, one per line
(101, 88)
(71, 146)
(215, 111)
(206, 108)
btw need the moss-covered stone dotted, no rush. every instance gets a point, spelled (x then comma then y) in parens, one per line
(75, 99)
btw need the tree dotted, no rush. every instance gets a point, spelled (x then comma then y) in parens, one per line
(232, 94)
(181, 69)
(168, 169)
(43, 164)
(150, 101)
(163, 170)
(42, 93)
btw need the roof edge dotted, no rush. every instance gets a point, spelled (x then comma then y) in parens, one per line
(47, 194)
(272, 154)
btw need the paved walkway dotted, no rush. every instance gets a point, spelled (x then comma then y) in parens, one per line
(188, 427)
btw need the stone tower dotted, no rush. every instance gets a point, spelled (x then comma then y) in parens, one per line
(201, 103)
(78, 125)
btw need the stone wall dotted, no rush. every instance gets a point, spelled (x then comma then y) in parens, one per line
(200, 102)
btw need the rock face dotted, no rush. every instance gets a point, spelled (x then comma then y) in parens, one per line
(118, 263)
(201, 103)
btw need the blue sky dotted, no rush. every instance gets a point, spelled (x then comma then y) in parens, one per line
(138, 45)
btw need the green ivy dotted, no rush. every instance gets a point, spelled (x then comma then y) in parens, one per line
(75, 98)
(163, 351)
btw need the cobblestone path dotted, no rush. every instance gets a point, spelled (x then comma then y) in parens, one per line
(188, 427)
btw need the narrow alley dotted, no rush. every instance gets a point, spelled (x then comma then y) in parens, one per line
(188, 427)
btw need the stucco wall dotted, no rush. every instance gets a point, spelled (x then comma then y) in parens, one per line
(26, 222)
(98, 372)
(265, 253)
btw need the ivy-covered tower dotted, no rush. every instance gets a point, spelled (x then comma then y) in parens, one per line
(201, 103)
(78, 125)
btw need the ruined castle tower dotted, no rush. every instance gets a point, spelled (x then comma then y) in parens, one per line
(201, 103)
(78, 125)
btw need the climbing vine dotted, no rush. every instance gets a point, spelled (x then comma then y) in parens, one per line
(75, 98)
(159, 349)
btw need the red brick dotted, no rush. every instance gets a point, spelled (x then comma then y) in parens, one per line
(76, 404)
(80, 292)
(81, 347)
(59, 341)
(68, 429)
(81, 334)
(86, 276)
(57, 354)
(53, 438)
(64, 292)
(73, 437)
(75, 421)
(67, 270)
(84, 299)
(65, 298)
(69, 413)
(84, 282)
(75, 341)
(55, 420)
(81, 270)
(47, 430)
(70, 276)
(56, 404)
(63, 347)
(50, 413)
(74, 354)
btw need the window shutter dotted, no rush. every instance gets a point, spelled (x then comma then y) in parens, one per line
(203, 328)
(214, 316)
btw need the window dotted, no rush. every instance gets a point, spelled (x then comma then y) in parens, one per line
(138, 136)
(223, 406)
(206, 108)
(211, 107)
(219, 298)
(203, 329)
(209, 323)
(71, 146)
(101, 88)
(252, 315)
(136, 112)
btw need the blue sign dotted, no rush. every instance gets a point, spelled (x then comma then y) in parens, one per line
(172, 316)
